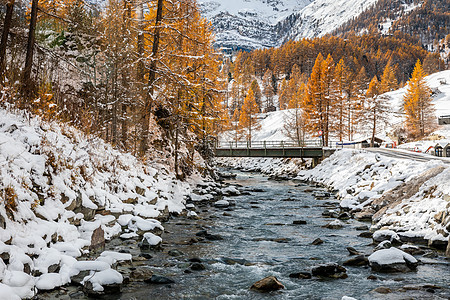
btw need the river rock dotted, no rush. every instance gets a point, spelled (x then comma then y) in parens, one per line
(197, 267)
(336, 224)
(175, 252)
(107, 289)
(195, 260)
(359, 260)
(383, 245)
(382, 290)
(366, 234)
(331, 270)
(438, 244)
(447, 253)
(157, 279)
(362, 228)
(221, 204)
(317, 241)
(411, 249)
(213, 237)
(299, 222)
(392, 260)
(150, 241)
(267, 284)
(344, 216)
(386, 235)
(365, 215)
(141, 274)
(329, 213)
(104, 282)
(353, 251)
(97, 240)
(321, 195)
(301, 275)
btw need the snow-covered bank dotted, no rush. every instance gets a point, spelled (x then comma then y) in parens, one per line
(410, 197)
(57, 188)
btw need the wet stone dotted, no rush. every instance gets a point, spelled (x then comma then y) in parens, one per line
(382, 290)
(197, 267)
(195, 260)
(359, 260)
(299, 222)
(267, 284)
(362, 228)
(175, 252)
(146, 255)
(366, 234)
(158, 279)
(353, 251)
(331, 270)
(301, 275)
(317, 241)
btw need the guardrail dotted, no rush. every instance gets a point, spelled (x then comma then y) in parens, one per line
(267, 144)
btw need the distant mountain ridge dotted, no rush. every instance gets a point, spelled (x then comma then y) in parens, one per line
(253, 24)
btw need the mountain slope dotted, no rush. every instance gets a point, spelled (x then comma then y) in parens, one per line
(324, 16)
(250, 24)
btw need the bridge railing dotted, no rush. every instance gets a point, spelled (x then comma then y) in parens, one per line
(267, 144)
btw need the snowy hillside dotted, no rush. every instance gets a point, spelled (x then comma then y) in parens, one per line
(323, 16)
(440, 85)
(58, 187)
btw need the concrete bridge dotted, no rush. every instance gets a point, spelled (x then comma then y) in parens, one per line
(276, 149)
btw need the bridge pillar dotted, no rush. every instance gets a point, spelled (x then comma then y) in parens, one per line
(315, 161)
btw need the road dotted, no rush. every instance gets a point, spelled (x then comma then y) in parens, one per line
(404, 154)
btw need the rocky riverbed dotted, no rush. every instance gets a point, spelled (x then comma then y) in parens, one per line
(235, 235)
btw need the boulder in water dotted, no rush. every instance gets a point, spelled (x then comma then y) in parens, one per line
(317, 241)
(392, 260)
(301, 275)
(359, 260)
(157, 279)
(331, 270)
(267, 284)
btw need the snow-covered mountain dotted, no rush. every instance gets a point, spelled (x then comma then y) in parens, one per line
(251, 24)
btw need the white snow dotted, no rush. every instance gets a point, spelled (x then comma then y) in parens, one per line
(222, 203)
(152, 239)
(381, 235)
(105, 277)
(391, 256)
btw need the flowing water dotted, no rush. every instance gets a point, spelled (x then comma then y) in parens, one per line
(260, 240)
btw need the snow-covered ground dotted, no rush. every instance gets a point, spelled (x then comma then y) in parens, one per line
(361, 178)
(58, 186)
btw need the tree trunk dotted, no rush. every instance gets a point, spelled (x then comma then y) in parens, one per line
(145, 119)
(4, 41)
(27, 87)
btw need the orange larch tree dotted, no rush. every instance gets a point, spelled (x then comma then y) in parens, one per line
(376, 108)
(417, 104)
(247, 118)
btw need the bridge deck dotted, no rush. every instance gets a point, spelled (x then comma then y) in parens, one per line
(305, 152)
